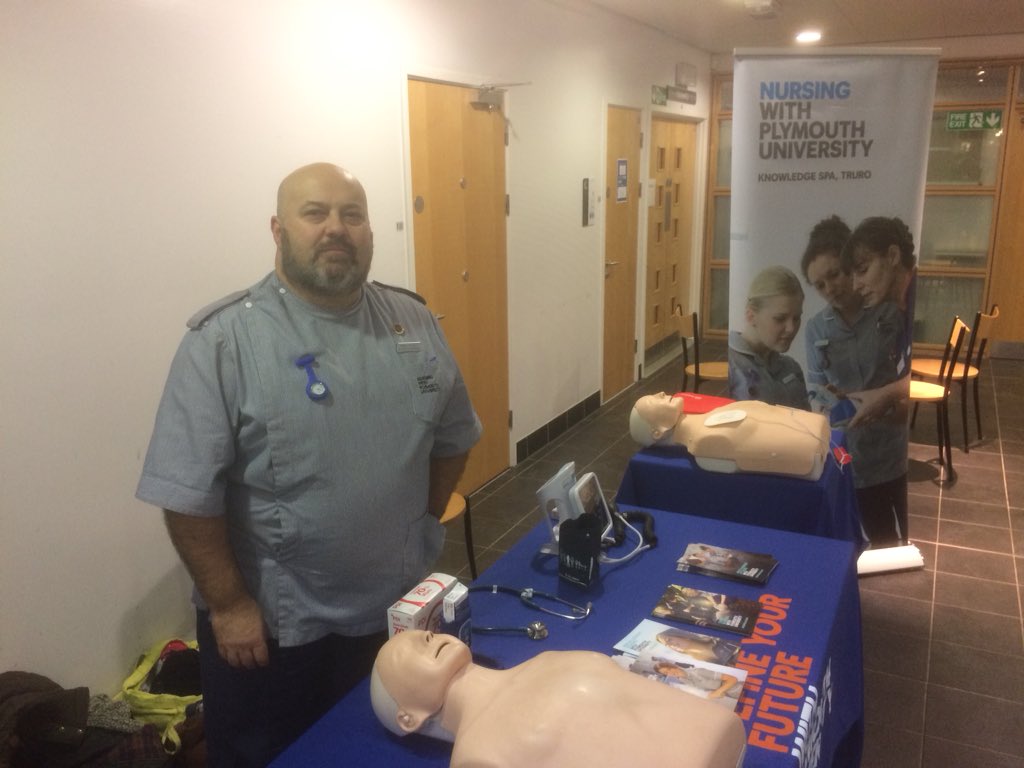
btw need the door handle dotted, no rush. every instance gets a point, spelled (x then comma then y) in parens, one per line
(611, 263)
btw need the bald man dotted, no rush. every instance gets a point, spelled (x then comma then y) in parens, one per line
(310, 433)
(560, 708)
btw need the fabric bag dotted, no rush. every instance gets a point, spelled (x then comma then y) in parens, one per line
(164, 689)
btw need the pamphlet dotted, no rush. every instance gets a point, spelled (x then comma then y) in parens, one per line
(657, 636)
(725, 562)
(693, 662)
(714, 682)
(707, 609)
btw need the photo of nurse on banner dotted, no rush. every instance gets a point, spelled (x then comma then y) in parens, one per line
(843, 217)
(858, 356)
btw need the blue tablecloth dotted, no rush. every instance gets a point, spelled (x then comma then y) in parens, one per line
(804, 692)
(668, 479)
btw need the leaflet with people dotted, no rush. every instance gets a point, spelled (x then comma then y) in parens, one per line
(653, 634)
(725, 562)
(697, 664)
(707, 609)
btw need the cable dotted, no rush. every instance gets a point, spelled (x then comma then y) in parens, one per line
(640, 547)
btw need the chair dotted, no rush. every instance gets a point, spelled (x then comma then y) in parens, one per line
(714, 371)
(967, 372)
(938, 393)
(458, 506)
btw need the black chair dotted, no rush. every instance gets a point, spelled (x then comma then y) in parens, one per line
(938, 393)
(968, 372)
(458, 506)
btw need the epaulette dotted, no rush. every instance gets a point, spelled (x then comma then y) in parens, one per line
(406, 291)
(200, 318)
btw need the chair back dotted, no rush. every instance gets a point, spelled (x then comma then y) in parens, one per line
(952, 353)
(695, 324)
(983, 324)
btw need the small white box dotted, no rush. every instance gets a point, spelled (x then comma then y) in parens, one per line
(455, 619)
(421, 606)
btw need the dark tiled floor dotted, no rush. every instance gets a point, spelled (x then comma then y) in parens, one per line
(943, 646)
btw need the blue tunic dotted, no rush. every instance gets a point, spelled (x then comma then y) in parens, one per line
(869, 354)
(776, 379)
(326, 499)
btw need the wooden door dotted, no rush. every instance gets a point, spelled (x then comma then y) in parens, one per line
(1007, 273)
(669, 225)
(622, 208)
(457, 154)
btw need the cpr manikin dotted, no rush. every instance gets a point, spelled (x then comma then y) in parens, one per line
(743, 436)
(560, 708)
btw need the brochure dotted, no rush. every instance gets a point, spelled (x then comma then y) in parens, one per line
(657, 636)
(725, 562)
(707, 609)
(716, 682)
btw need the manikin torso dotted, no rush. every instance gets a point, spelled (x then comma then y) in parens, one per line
(556, 710)
(572, 708)
(743, 436)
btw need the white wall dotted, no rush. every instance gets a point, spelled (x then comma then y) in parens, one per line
(140, 149)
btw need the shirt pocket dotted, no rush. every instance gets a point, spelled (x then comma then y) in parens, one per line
(428, 376)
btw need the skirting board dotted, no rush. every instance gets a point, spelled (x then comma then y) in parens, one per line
(1010, 350)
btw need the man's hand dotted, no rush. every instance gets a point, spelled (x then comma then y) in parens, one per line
(235, 616)
(241, 638)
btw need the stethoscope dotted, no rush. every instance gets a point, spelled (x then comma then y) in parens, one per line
(316, 389)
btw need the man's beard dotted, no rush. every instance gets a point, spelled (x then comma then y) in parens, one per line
(348, 280)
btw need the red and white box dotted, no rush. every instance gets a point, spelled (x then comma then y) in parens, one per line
(421, 606)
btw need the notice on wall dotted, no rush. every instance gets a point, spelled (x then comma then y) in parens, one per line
(621, 180)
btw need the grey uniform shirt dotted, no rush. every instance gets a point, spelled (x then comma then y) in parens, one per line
(870, 353)
(326, 499)
(776, 379)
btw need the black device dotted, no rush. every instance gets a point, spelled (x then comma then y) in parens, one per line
(579, 549)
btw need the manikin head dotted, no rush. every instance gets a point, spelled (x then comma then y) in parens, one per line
(654, 417)
(410, 679)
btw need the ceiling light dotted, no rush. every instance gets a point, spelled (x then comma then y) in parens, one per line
(762, 9)
(808, 36)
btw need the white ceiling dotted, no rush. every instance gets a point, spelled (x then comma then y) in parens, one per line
(719, 26)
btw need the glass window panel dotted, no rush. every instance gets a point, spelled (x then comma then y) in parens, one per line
(720, 245)
(938, 300)
(962, 157)
(723, 164)
(718, 319)
(972, 85)
(955, 231)
(725, 95)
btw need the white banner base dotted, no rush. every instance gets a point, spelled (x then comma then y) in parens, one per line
(890, 559)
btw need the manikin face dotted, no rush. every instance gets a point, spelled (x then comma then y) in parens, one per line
(323, 236)
(660, 411)
(775, 324)
(875, 275)
(830, 281)
(417, 667)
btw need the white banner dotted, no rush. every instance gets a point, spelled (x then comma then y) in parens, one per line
(831, 133)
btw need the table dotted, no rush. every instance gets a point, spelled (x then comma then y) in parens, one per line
(668, 479)
(804, 694)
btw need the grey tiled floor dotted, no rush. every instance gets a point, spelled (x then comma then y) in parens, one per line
(943, 646)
